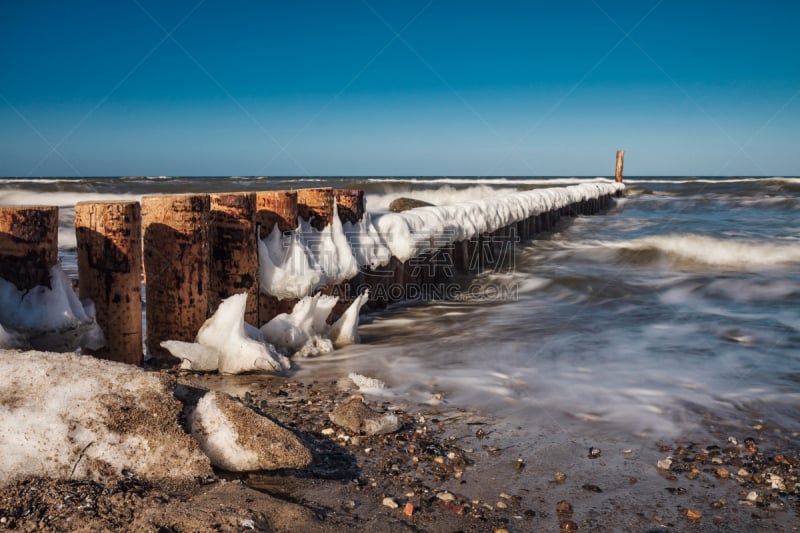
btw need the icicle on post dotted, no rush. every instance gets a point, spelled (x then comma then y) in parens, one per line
(176, 265)
(110, 274)
(274, 208)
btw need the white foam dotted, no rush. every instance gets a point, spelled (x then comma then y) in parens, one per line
(715, 252)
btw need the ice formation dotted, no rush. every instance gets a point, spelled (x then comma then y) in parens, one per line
(49, 318)
(73, 417)
(293, 266)
(223, 344)
(305, 332)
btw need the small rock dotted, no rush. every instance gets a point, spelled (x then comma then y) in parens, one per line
(560, 476)
(328, 432)
(399, 205)
(594, 453)
(568, 525)
(564, 507)
(501, 530)
(501, 505)
(722, 473)
(519, 464)
(691, 514)
(408, 510)
(356, 416)
(664, 464)
(390, 503)
(693, 473)
(752, 496)
(445, 496)
(248, 524)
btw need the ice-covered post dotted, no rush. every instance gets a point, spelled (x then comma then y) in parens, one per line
(316, 206)
(110, 274)
(274, 208)
(350, 205)
(28, 244)
(234, 256)
(176, 265)
(620, 161)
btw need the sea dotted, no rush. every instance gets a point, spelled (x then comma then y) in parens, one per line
(675, 314)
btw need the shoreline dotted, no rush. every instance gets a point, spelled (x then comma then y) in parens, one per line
(448, 468)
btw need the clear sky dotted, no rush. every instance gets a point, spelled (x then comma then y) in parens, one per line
(431, 87)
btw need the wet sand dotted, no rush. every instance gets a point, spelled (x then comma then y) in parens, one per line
(447, 469)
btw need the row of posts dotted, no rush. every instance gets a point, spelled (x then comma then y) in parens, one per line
(194, 250)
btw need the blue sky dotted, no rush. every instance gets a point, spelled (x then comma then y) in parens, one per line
(144, 87)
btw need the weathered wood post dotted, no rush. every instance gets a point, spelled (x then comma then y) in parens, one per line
(176, 265)
(620, 161)
(110, 274)
(316, 206)
(234, 256)
(350, 204)
(28, 244)
(274, 208)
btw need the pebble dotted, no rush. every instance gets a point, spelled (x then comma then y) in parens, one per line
(568, 525)
(564, 507)
(693, 473)
(328, 432)
(501, 505)
(594, 453)
(691, 514)
(664, 464)
(722, 473)
(560, 476)
(519, 464)
(390, 503)
(445, 496)
(505, 496)
(501, 530)
(408, 510)
(752, 496)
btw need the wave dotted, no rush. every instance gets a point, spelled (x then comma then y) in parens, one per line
(59, 198)
(675, 181)
(488, 180)
(692, 249)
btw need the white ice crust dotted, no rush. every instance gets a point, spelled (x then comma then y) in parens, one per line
(294, 265)
(47, 317)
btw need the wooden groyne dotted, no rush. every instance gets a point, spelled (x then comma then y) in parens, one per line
(191, 251)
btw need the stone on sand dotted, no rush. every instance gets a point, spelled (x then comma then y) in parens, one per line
(357, 416)
(238, 440)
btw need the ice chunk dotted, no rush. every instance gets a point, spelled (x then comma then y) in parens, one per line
(51, 318)
(345, 330)
(365, 383)
(303, 330)
(224, 335)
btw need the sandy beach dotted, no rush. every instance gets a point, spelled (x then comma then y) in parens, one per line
(446, 469)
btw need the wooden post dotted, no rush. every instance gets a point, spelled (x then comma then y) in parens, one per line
(274, 208)
(110, 274)
(350, 204)
(28, 244)
(620, 161)
(316, 206)
(176, 264)
(234, 256)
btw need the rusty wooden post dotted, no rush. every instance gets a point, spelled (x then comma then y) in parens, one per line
(620, 161)
(110, 274)
(316, 206)
(351, 207)
(28, 244)
(234, 255)
(274, 208)
(176, 264)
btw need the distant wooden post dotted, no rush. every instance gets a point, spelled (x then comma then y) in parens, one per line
(110, 274)
(316, 206)
(274, 208)
(28, 244)
(176, 264)
(620, 160)
(234, 256)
